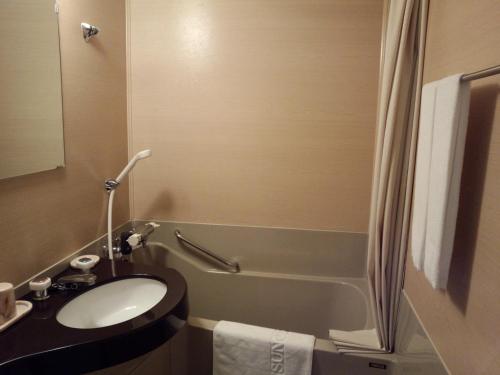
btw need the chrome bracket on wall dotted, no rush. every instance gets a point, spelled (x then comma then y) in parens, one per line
(89, 31)
(110, 185)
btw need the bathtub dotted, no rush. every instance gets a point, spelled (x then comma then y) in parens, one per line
(299, 303)
(269, 297)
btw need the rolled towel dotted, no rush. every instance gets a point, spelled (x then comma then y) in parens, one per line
(241, 349)
(7, 302)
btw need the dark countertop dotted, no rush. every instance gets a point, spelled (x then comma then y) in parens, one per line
(38, 344)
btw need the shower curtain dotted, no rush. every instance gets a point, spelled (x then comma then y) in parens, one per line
(400, 84)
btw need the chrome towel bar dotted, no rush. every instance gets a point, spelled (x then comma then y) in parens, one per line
(234, 266)
(481, 73)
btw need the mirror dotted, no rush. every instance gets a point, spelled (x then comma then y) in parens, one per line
(31, 123)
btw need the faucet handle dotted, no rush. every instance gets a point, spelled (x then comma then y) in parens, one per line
(40, 285)
(134, 240)
(125, 247)
(85, 262)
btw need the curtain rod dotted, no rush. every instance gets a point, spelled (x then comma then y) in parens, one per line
(481, 73)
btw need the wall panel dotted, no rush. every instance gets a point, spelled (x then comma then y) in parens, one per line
(258, 112)
(463, 36)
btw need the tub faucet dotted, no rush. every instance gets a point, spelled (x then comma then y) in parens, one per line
(130, 240)
(140, 236)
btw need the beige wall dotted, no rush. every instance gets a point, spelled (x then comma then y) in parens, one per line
(48, 215)
(463, 321)
(258, 112)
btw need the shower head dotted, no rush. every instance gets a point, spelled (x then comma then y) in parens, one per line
(139, 156)
(143, 154)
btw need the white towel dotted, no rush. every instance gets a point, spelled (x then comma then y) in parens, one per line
(423, 164)
(241, 349)
(448, 144)
(360, 341)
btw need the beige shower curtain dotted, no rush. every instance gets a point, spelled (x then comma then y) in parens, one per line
(397, 129)
(397, 124)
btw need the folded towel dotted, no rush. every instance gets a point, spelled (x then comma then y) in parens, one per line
(241, 349)
(448, 144)
(361, 341)
(423, 164)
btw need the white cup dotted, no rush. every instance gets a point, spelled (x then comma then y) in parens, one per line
(7, 302)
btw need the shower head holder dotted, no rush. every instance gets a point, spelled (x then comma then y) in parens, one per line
(89, 31)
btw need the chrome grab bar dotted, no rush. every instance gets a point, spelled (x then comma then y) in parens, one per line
(226, 262)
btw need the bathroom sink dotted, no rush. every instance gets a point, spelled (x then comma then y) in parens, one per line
(131, 310)
(112, 303)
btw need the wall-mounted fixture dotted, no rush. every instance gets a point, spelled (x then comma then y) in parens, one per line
(89, 30)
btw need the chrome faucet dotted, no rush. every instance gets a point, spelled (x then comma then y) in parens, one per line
(75, 281)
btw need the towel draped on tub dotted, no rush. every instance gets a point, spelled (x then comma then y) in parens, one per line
(241, 349)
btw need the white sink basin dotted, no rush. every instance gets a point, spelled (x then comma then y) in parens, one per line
(112, 303)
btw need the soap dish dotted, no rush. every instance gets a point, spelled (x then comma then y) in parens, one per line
(22, 308)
